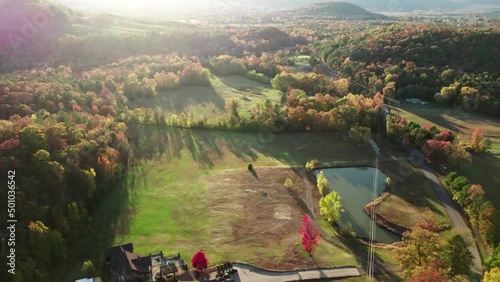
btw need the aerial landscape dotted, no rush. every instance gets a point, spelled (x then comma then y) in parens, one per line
(230, 140)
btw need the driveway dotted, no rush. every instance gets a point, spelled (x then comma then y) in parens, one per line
(454, 214)
(247, 273)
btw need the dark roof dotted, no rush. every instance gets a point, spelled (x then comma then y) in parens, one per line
(187, 276)
(122, 259)
(109, 252)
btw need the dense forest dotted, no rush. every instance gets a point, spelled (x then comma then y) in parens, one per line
(451, 66)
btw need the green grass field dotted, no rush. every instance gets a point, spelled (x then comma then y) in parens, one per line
(484, 170)
(454, 120)
(411, 198)
(209, 101)
(187, 194)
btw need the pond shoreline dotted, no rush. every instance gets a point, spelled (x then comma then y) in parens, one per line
(381, 223)
(381, 220)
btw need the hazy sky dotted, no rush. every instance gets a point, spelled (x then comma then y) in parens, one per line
(156, 3)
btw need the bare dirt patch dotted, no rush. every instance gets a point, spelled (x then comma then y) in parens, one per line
(258, 215)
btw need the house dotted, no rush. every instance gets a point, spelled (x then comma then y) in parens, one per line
(127, 266)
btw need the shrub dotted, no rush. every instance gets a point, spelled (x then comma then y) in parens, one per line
(250, 167)
(259, 77)
(450, 177)
(388, 181)
(458, 184)
(311, 165)
(88, 269)
(288, 183)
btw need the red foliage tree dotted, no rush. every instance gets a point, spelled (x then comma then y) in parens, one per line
(446, 135)
(429, 275)
(432, 149)
(310, 235)
(199, 261)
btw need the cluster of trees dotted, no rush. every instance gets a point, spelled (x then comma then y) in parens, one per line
(360, 134)
(268, 64)
(426, 256)
(329, 204)
(480, 211)
(318, 113)
(69, 161)
(228, 65)
(408, 60)
(438, 145)
(102, 91)
(143, 76)
(261, 39)
(311, 83)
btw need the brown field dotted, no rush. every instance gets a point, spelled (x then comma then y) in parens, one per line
(261, 217)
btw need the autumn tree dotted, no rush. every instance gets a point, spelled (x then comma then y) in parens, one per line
(323, 184)
(478, 142)
(310, 235)
(330, 207)
(492, 276)
(360, 134)
(428, 274)
(199, 261)
(421, 248)
(288, 183)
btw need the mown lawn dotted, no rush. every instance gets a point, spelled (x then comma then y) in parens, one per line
(172, 201)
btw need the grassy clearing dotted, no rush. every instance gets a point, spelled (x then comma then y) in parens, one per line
(209, 101)
(484, 170)
(190, 192)
(454, 120)
(411, 199)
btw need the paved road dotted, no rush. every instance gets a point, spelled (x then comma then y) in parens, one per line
(252, 274)
(452, 211)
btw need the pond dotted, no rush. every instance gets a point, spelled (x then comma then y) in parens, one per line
(355, 187)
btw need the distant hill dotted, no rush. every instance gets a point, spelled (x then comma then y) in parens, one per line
(412, 5)
(335, 10)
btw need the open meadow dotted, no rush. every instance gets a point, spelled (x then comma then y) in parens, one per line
(208, 101)
(191, 190)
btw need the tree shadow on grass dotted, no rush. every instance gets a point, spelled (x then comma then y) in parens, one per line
(180, 100)
(254, 173)
(110, 220)
(204, 146)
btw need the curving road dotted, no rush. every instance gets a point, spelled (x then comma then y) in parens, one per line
(456, 217)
